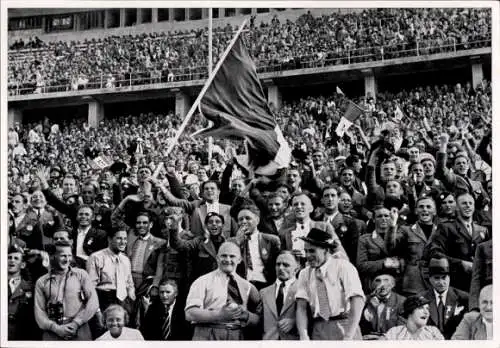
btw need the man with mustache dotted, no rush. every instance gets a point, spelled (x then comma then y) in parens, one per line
(384, 307)
(221, 304)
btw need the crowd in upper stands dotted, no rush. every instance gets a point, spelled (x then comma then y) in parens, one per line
(398, 209)
(336, 38)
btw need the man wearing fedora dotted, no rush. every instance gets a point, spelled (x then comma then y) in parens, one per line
(331, 288)
(383, 308)
(447, 305)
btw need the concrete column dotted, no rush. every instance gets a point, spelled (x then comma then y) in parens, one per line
(370, 84)
(14, 115)
(186, 13)
(170, 14)
(254, 11)
(221, 12)
(274, 96)
(182, 103)
(204, 13)
(477, 72)
(138, 16)
(154, 15)
(106, 16)
(95, 113)
(122, 17)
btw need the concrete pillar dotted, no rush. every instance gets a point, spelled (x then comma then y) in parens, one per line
(138, 16)
(274, 96)
(254, 11)
(14, 115)
(477, 72)
(370, 84)
(204, 13)
(170, 14)
(106, 16)
(154, 15)
(122, 17)
(221, 12)
(182, 103)
(95, 113)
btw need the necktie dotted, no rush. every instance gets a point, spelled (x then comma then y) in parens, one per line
(166, 323)
(121, 287)
(323, 302)
(280, 297)
(440, 310)
(233, 292)
(248, 257)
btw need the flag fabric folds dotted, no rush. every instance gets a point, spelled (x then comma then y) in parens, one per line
(398, 114)
(352, 112)
(236, 104)
(339, 91)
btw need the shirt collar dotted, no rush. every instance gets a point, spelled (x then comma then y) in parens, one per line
(443, 296)
(146, 237)
(306, 222)
(287, 282)
(324, 267)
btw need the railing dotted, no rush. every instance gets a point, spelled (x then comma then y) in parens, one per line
(340, 57)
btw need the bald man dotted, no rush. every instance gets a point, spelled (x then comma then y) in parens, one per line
(278, 301)
(478, 326)
(221, 304)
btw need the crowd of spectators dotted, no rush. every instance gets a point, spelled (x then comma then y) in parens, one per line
(403, 208)
(336, 38)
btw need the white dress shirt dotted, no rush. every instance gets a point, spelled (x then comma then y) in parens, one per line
(285, 289)
(278, 222)
(443, 296)
(213, 207)
(257, 271)
(79, 243)
(17, 220)
(329, 218)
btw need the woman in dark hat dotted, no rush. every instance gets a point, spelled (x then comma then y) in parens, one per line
(416, 312)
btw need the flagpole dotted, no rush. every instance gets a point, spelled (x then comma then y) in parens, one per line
(204, 90)
(210, 139)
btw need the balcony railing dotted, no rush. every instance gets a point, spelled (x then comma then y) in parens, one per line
(323, 59)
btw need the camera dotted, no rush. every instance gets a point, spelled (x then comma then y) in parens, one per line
(55, 312)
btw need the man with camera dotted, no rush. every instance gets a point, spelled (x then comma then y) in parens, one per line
(65, 298)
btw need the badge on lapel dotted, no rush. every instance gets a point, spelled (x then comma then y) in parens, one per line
(264, 252)
(448, 312)
(29, 228)
(343, 228)
(368, 315)
(98, 217)
(458, 309)
(28, 294)
(151, 247)
(91, 240)
(50, 222)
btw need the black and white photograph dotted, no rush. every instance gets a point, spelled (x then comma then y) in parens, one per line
(320, 172)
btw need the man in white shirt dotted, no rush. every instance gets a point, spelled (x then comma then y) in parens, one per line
(87, 239)
(278, 301)
(259, 250)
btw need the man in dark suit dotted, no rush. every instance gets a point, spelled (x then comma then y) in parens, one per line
(164, 319)
(374, 254)
(447, 305)
(21, 322)
(383, 307)
(347, 228)
(457, 241)
(275, 218)
(482, 272)
(87, 239)
(278, 301)
(259, 250)
(200, 208)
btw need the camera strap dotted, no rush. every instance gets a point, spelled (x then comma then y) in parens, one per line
(61, 288)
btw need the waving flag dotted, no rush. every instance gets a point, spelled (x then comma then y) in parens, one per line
(236, 104)
(398, 114)
(352, 112)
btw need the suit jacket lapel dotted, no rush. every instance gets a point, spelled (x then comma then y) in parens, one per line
(209, 248)
(262, 247)
(290, 297)
(380, 243)
(18, 292)
(418, 232)
(203, 213)
(461, 229)
(433, 307)
(271, 300)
